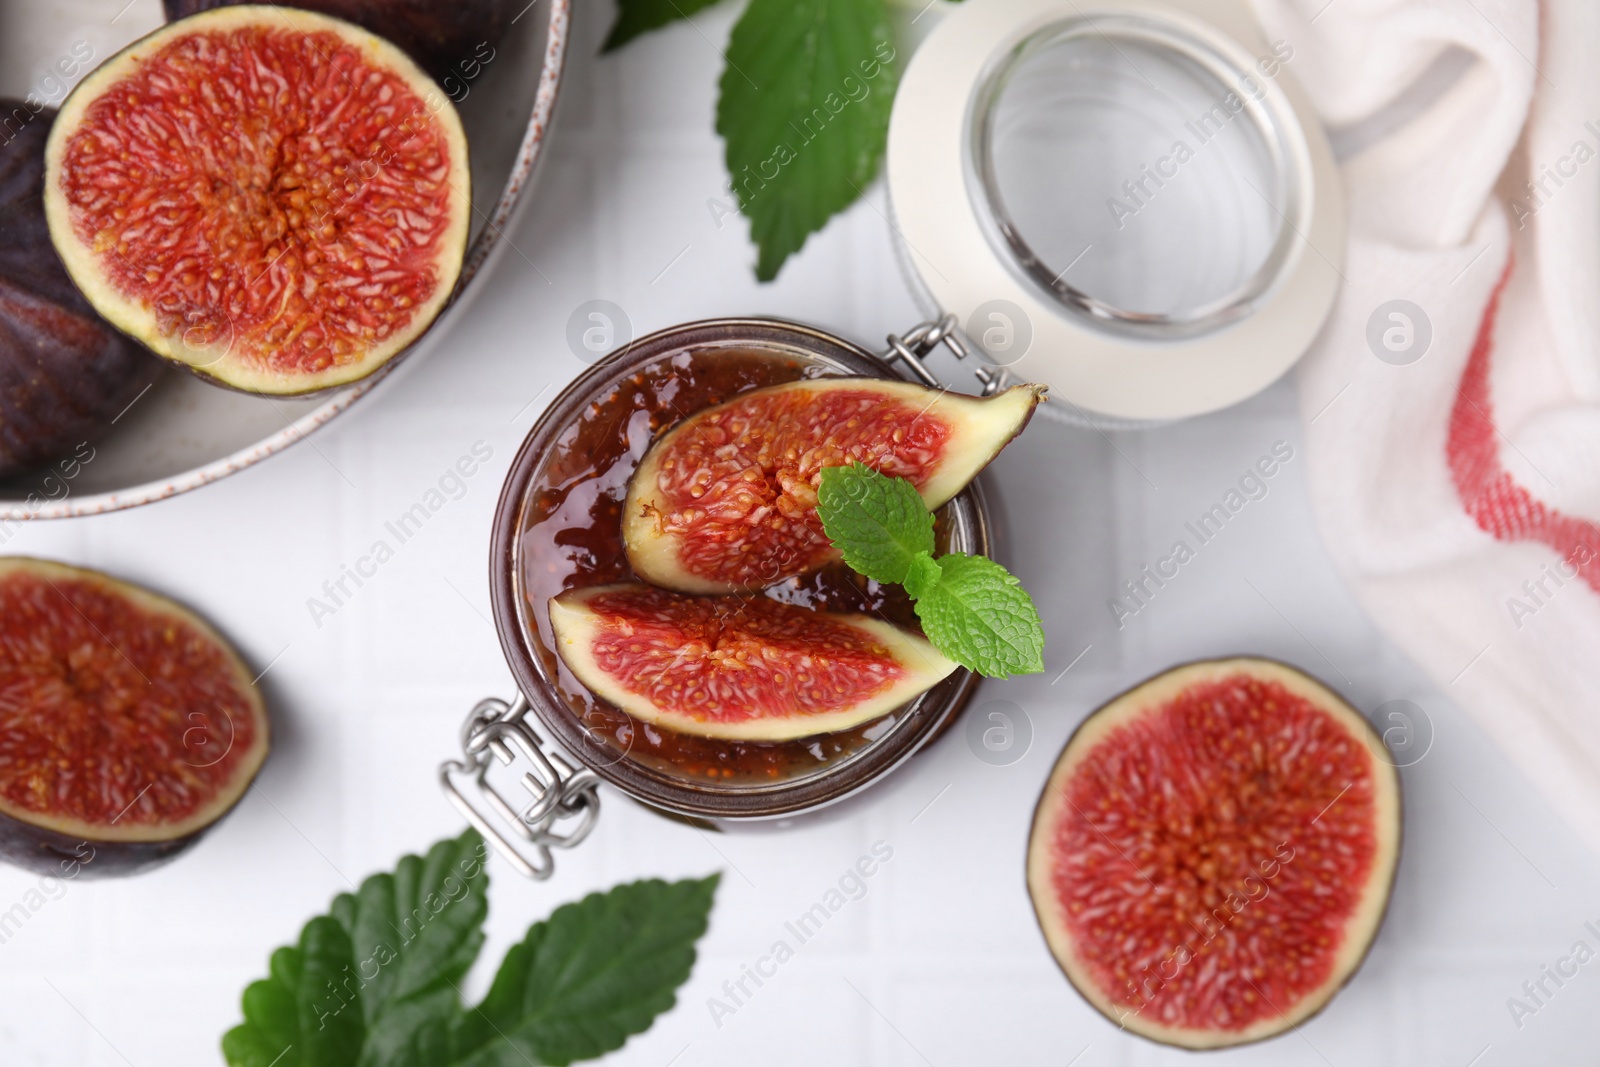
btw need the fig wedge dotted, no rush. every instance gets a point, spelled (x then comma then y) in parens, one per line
(740, 668)
(726, 500)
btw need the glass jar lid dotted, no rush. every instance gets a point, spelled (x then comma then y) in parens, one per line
(1135, 193)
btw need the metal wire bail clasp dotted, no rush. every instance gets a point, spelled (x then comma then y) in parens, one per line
(923, 338)
(560, 792)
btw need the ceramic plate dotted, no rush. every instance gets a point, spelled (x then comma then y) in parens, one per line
(183, 433)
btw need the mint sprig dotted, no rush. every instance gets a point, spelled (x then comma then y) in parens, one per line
(376, 981)
(971, 608)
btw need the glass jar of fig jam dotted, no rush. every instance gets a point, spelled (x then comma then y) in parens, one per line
(558, 526)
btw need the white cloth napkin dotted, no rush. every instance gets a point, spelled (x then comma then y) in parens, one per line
(1460, 493)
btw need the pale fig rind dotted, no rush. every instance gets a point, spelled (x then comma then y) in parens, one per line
(980, 428)
(1360, 928)
(577, 626)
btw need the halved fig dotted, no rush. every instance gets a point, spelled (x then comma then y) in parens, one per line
(1214, 851)
(450, 41)
(744, 668)
(128, 726)
(727, 499)
(276, 199)
(65, 374)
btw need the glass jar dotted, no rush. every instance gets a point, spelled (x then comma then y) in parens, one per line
(531, 766)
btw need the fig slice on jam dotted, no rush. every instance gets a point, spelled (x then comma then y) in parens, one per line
(1214, 851)
(128, 726)
(740, 668)
(275, 199)
(726, 500)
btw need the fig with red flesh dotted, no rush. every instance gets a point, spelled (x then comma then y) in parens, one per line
(127, 725)
(727, 499)
(275, 199)
(65, 374)
(449, 40)
(740, 668)
(1214, 851)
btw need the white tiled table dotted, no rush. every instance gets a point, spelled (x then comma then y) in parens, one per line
(939, 963)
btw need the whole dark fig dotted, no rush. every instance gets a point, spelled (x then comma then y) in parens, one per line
(65, 373)
(450, 39)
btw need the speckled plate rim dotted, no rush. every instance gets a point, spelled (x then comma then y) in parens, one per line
(533, 139)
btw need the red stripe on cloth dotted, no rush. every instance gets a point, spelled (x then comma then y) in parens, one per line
(1488, 492)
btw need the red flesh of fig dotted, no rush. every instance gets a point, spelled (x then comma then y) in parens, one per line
(727, 500)
(275, 199)
(745, 668)
(1214, 851)
(127, 725)
(65, 373)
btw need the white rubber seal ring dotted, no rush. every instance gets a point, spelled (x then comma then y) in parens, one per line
(1108, 369)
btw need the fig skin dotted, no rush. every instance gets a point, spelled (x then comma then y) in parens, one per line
(49, 850)
(445, 38)
(65, 372)
(46, 852)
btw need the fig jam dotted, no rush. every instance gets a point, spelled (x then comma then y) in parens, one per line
(572, 537)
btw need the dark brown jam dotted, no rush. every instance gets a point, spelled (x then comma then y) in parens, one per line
(572, 537)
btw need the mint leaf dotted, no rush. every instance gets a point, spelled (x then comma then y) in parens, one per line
(588, 977)
(635, 17)
(291, 1019)
(980, 616)
(878, 523)
(375, 983)
(375, 976)
(416, 1034)
(922, 575)
(804, 109)
(419, 929)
